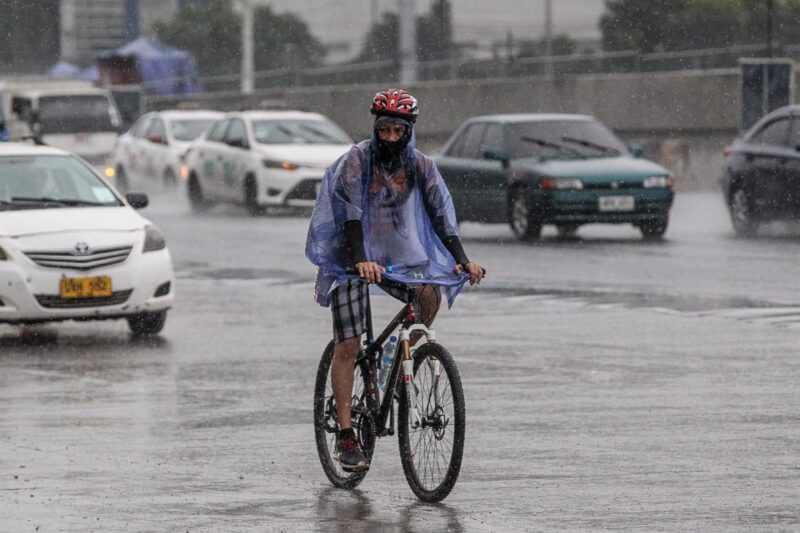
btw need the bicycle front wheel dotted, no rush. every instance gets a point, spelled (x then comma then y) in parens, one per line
(431, 454)
(326, 421)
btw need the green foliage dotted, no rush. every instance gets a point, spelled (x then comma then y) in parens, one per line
(212, 31)
(666, 25)
(284, 40)
(434, 36)
(29, 34)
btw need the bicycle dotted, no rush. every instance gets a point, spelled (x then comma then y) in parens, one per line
(430, 405)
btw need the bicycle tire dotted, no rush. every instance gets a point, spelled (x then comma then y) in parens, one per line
(417, 474)
(326, 440)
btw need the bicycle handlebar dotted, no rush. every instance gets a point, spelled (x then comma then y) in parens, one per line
(352, 270)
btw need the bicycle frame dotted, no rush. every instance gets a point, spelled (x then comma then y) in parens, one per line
(406, 318)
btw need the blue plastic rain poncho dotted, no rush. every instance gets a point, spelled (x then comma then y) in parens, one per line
(402, 216)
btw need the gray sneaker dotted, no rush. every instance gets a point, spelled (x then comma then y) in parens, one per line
(349, 454)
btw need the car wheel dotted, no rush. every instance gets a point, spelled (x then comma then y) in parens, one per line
(170, 181)
(742, 216)
(566, 231)
(149, 323)
(122, 179)
(251, 196)
(654, 229)
(521, 217)
(196, 199)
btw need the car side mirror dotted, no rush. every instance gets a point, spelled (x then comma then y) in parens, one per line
(137, 200)
(237, 143)
(156, 138)
(635, 150)
(796, 147)
(496, 154)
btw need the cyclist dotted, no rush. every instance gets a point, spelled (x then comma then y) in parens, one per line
(382, 203)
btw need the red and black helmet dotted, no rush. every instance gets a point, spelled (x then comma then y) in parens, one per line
(395, 103)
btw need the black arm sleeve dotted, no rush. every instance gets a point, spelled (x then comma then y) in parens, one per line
(354, 241)
(454, 246)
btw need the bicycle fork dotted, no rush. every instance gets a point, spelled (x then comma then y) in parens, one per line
(412, 398)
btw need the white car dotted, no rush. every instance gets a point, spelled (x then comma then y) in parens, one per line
(263, 158)
(72, 248)
(152, 148)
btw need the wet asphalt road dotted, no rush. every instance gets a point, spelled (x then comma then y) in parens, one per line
(610, 384)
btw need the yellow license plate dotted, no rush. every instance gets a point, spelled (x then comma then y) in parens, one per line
(99, 287)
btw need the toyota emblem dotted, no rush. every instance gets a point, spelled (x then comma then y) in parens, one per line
(81, 248)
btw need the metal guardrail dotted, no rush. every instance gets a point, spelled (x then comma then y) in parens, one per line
(470, 69)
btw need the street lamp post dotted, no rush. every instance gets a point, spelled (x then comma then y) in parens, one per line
(248, 66)
(548, 36)
(408, 42)
(770, 47)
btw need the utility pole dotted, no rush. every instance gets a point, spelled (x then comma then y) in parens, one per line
(770, 47)
(548, 37)
(408, 42)
(247, 47)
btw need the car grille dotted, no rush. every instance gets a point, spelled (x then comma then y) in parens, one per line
(57, 302)
(615, 185)
(98, 258)
(305, 190)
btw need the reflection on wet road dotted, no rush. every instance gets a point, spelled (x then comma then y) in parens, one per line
(610, 384)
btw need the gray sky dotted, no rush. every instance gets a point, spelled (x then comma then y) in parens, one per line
(474, 20)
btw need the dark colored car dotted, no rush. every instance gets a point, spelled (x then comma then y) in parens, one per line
(568, 170)
(761, 176)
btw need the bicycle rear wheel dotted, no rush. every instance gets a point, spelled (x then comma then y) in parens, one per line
(326, 421)
(431, 455)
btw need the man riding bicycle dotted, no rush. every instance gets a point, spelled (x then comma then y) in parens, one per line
(382, 205)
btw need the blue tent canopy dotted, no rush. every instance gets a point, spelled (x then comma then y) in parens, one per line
(160, 68)
(64, 69)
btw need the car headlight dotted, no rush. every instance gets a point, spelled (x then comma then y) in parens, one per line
(110, 172)
(654, 182)
(153, 240)
(184, 172)
(560, 183)
(285, 165)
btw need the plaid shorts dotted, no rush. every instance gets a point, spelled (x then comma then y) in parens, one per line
(349, 308)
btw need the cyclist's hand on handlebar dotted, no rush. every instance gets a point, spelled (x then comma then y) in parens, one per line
(475, 271)
(370, 271)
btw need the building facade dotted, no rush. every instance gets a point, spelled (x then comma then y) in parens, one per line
(89, 27)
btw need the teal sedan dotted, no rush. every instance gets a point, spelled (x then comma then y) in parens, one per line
(534, 169)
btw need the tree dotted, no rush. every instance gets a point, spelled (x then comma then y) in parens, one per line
(212, 31)
(284, 40)
(29, 34)
(434, 36)
(666, 25)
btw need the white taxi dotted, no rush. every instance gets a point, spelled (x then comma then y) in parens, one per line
(72, 248)
(152, 148)
(263, 158)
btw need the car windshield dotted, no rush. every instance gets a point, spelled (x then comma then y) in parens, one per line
(189, 130)
(79, 113)
(299, 132)
(50, 181)
(563, 138)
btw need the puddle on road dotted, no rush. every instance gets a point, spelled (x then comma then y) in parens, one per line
(203, 271)
(740, 308)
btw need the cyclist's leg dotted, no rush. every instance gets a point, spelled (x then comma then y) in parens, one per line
(430, 298)
(348, 305)
(344, 358)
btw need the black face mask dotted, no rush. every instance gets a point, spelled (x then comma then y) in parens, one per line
(388, 151)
